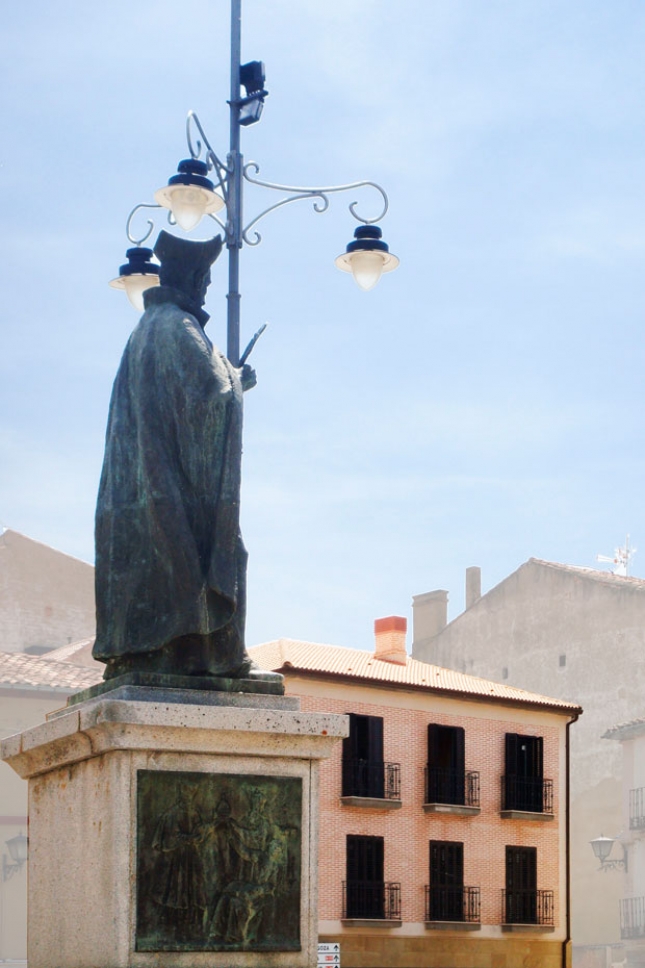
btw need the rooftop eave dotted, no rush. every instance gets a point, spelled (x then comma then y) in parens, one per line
(289, 669)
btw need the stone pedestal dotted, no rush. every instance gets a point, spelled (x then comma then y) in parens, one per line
(174, 829)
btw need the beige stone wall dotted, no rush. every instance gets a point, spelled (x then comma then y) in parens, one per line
(408, 830)
(46, 597)
(17, 712)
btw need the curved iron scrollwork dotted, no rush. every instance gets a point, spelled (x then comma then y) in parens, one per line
(215, 165)
(224, 172)
(297, 193)
(128, 225)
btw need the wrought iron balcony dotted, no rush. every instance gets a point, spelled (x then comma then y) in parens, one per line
(378, 900)
(456, 787)
(637, 809)
(362, 778)
(528, 794)
(453, 904)
(632, 917)
(528, 907)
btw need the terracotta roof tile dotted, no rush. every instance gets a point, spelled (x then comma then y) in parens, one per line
(332, 660)
(20, 671)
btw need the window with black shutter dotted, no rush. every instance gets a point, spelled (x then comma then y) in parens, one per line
(365, 888)
(446, 881)
(521, 885)
(523, 783)
(363, 767)
(446, 764)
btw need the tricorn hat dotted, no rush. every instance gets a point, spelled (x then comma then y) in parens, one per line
(185, 263)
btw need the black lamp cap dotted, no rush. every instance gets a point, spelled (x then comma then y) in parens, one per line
(139, 263)
(368, 237)
(192, 172)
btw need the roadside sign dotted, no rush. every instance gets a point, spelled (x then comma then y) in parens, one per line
(329, 955)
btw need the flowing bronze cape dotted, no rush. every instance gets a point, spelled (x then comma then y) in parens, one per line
(169, 557)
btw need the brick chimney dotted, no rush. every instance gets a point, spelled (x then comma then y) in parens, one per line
(389, 634)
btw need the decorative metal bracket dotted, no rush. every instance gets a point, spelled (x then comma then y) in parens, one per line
(223, 174)
(613, 865)
(319, 195)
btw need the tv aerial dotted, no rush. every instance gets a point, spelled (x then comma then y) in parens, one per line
(621, 559)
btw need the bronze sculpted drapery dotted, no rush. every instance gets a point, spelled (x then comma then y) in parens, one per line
(170, 562)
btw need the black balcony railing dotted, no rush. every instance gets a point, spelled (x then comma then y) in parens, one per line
(379, 900)
(362, 778)
(460, 788)
(632, 917)
(453, 904)
(529, 794)
(528, 907)
(637, 809)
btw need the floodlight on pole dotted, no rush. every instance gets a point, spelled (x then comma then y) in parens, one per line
(205, 185)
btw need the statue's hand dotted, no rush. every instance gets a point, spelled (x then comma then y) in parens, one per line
(248, 377)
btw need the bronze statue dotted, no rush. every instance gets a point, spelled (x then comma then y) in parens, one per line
(170, 562)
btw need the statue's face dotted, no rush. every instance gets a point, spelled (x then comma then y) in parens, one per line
(205, 284)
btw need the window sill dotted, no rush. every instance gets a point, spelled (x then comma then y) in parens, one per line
(456, 809)
(370, 923)
(373, 803)
(453, 925)
(525, 815)
(524, 928)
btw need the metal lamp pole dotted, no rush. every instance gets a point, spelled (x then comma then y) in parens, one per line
(234, 202)
(366, 256)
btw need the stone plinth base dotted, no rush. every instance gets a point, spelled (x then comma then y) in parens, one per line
(173, 833)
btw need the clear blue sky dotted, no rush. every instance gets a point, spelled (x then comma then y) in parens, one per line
(482, 405)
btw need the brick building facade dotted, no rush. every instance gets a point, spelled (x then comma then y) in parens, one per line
(467, 863)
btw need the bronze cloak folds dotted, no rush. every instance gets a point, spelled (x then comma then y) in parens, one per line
(169, 557)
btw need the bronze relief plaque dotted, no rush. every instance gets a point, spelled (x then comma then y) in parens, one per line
(218, 862)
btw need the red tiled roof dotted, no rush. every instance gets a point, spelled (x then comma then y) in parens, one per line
(20, 671)
(289, 655)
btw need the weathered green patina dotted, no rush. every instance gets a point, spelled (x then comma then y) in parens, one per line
(218, 862)
(170, 562)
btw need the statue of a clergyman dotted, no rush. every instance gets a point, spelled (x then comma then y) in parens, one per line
(170, 562)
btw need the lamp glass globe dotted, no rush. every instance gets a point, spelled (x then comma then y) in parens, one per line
(135, 286)
(188, 206)
(367, 266)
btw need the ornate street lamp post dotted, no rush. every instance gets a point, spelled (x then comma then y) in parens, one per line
(208, 186)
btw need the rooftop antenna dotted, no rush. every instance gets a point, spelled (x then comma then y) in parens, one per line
(621, 559)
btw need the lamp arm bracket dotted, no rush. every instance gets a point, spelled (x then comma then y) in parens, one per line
(214, 163)
(298, 193)
(320, 206)
(128, 225)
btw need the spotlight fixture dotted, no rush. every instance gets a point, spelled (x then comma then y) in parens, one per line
(252, 78)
